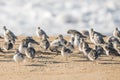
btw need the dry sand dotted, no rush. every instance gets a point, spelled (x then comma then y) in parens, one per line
(51, 67)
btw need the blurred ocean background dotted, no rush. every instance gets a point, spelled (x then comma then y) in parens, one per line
(57, 16)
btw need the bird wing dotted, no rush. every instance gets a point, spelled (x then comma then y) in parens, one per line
(31, 51)
(30, 39)
(118, 33)
(80, 34)
(45, 43)
(71, 31)
(63, 42)
(21, 55)
(12, 35)
(41, 32)
(101, 40)
(68, 50)
(99, 34)
(55, 43)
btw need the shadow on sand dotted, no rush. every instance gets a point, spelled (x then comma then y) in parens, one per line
(52, 62)
(109, 62)
(85, 60)
(37, 65)
(6, 60)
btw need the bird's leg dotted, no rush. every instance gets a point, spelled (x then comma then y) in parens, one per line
(66, 59)
(112, 58)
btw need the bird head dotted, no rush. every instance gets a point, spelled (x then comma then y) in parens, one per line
(91, 30)
(116, 28)
(4, 27)
(60, 36)
(38, 27)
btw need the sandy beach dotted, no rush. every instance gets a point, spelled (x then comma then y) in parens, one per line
(52, 67)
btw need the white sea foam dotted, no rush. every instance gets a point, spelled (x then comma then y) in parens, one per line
(57, 16)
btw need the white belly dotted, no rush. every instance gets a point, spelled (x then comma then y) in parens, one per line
(85, 53)
(17, 58)
(76, 42)
(65, 54)
(22, 49)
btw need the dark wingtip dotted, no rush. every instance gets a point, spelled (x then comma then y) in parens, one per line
(1, 50)
(1, 37)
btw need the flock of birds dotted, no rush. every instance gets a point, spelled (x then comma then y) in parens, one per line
(78, 40)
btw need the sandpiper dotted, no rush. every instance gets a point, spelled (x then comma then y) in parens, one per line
(70, 46)
(77, 40)
(98, 40)
(30, 51)
(65, 52)
(18, 57)
(62, 40)
(110, 50)
(44, 44)
(75, 36)
(41, 32)
(7, 45)
(30, 39)
(116, 33)
(55, 46)
(9, 35)
(112, 39)
(96, 37)
(90, 53)
(81, 45)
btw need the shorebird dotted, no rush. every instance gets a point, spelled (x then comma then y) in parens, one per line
(96, 36)
(30, 51)
(85, 48)
(55, 46)
(72, 31)
(94, 32)
(116, 33)
(18, 57)
(77, 40)
(99, 50)
(93, 54)
(41, 32)
(90, 53)
(55, 42)
(44, 44)
(110, 50)
(81, 45)
(98, 40)
(65, 52)
(75, 35)
(62, 40)
(70, 46)
(85, 33)
(113, 39)
(9, 35)
(23, 45)
(7, 45)
(72, 40)
(30, 39)
(116, 45)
